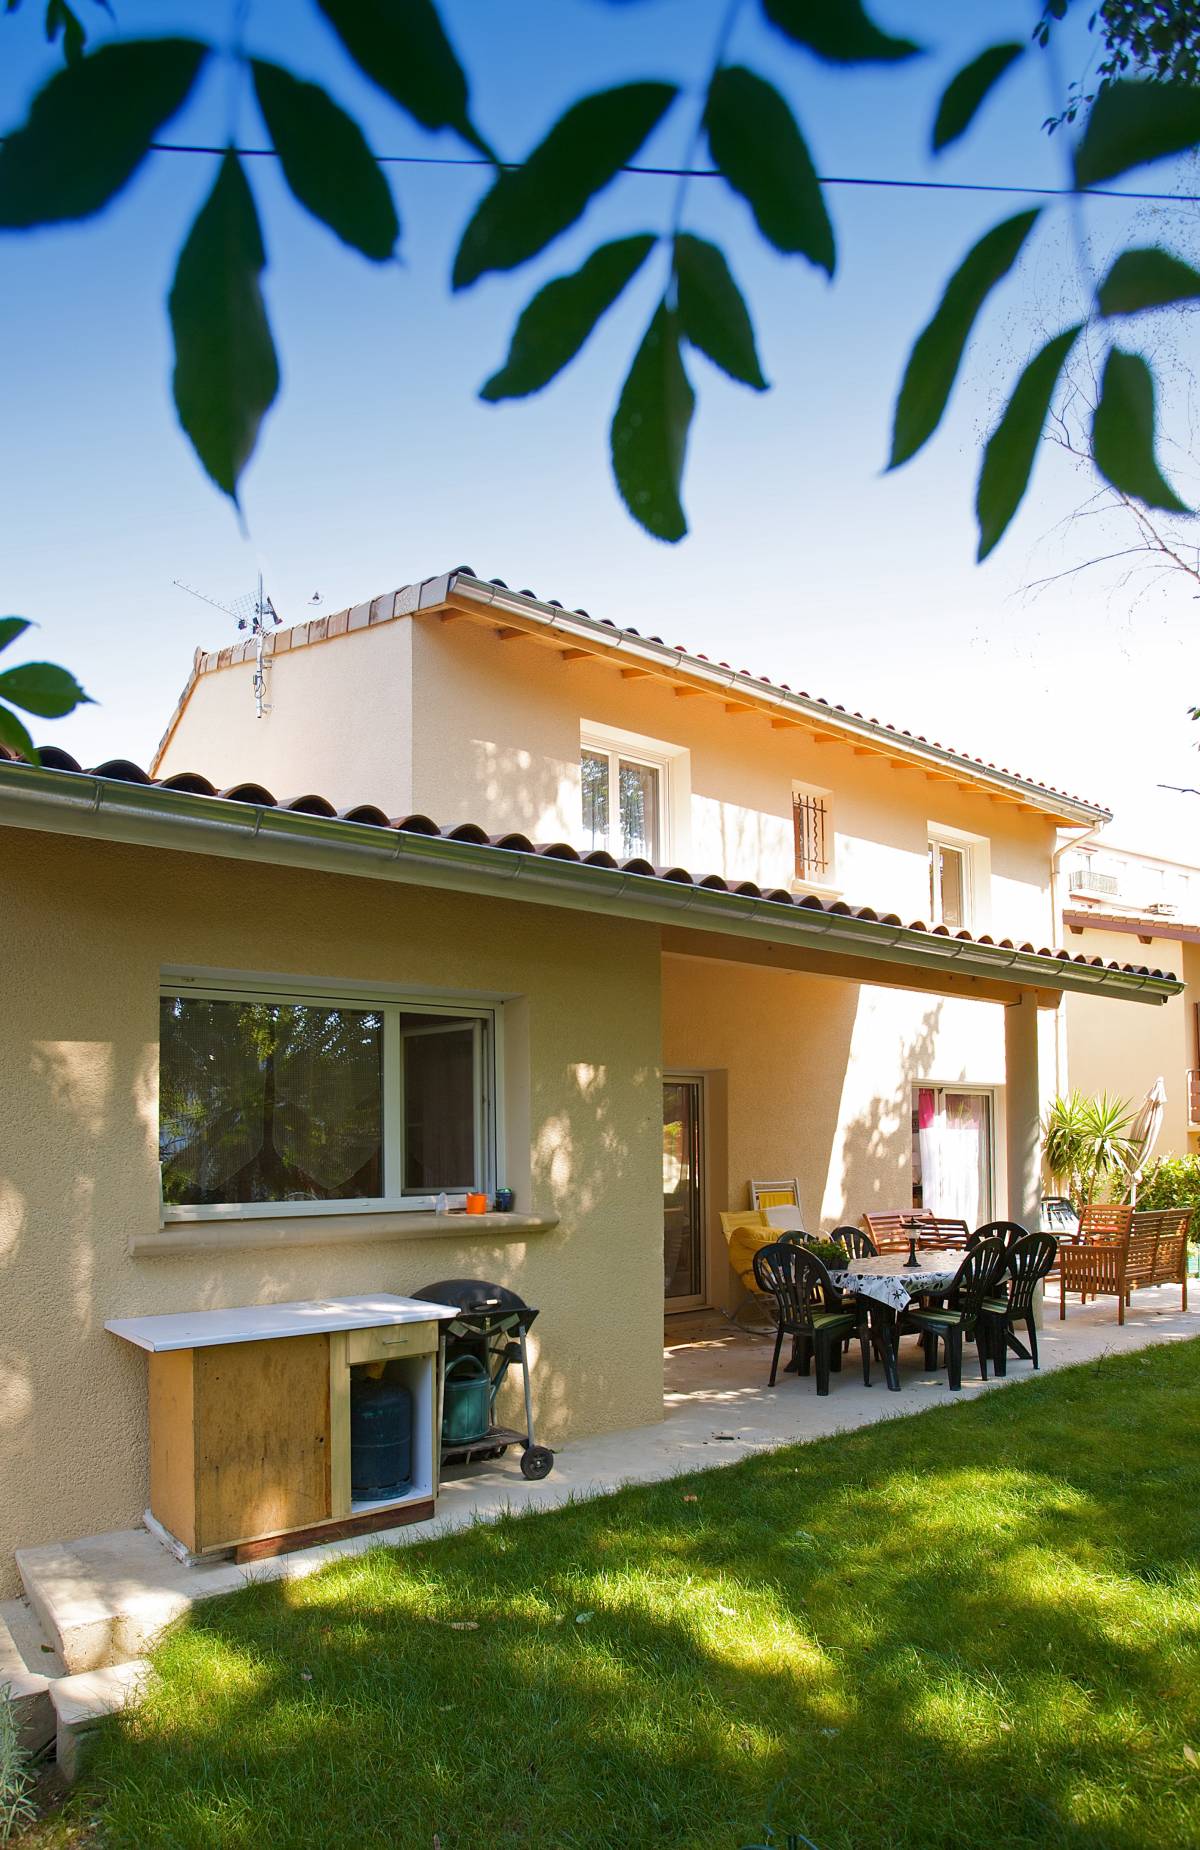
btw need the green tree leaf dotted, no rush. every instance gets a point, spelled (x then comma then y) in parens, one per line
(11, 628)
(326, 161)
(966, 93)
(61, 18)
(1012, 446)
(14, 735)
(1132, 122)
(42, 688)
(90, 128)
(558, 320)
(712, 311)
(650, 430)
(837, 30)
(1146, 277)
(226, 374)
(756, 143)
(529, 206)
(402, 46)
(1123, 433)
(937, 354)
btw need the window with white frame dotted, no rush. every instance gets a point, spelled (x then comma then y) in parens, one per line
(949, 884)
(271, 1099)
(812, 826)
(624, 800)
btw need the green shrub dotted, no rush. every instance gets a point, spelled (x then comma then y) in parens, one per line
(16, 1806)
(1172, 1182)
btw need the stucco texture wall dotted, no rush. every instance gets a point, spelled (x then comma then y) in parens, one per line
(88, 928)
(1122, 1051)
(814, 1078)
(339, 722)
(496, 731)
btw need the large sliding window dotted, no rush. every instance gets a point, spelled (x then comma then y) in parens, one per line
(270, 1101)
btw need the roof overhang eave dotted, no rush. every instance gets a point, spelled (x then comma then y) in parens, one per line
(481, 597)
(150, 816)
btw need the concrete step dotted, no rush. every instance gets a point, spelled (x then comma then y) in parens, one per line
(104, 1600)
(29, 1664)
(81, 1703)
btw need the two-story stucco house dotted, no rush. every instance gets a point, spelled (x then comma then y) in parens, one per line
(494, 895)
(465, 702)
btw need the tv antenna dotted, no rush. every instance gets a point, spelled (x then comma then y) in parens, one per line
(251, 613)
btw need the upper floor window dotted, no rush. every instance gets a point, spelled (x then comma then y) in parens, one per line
(273, 1099)
(813, 830)
(949, 884)
(635, 794)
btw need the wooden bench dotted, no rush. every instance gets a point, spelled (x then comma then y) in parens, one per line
(892, 1232)
(1151, 1250)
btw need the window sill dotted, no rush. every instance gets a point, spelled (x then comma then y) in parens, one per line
(180, 1239)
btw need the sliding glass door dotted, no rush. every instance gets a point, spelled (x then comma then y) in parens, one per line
(952, 1152)
(683, 1193)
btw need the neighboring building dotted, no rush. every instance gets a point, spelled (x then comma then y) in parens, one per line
(1120, 903)
(248, 1044)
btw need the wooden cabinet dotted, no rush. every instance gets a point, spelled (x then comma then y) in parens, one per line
(250, 1419)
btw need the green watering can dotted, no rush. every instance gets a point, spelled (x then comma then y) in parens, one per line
(466, 1401)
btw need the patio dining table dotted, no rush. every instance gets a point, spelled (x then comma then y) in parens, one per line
(888, 1280)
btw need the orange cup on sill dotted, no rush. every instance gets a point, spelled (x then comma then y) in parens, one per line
(477, 1204)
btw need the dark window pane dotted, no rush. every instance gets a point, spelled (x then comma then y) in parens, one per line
(439, 1110)
(264, 1101)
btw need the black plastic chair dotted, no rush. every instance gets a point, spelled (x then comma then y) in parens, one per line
(1006, 1231)
(858, 1244)
(974, 1309)
(808, 1309)
(1029, 1260)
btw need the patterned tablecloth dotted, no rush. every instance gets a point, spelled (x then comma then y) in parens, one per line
(890, 1280)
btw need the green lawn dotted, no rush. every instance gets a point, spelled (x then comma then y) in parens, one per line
(976, 1626)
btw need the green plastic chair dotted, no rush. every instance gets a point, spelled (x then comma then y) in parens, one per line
(808, 1309)
(975, 1309)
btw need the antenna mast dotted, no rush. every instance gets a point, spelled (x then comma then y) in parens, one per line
(251, 613)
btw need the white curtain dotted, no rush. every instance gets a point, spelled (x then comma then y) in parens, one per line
(953, 1133)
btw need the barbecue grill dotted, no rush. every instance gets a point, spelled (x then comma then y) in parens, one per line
(484, 1341)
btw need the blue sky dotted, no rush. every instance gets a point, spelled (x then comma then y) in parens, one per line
(379, 464)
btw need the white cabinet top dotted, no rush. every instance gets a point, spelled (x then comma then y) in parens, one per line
(256, 1323)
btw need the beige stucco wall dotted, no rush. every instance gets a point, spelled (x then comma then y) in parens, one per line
(445, 719)
(813, 1077)
(87, 929)
(1122, 1051)
(338, 723)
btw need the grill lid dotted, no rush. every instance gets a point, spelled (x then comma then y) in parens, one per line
(476, 1295)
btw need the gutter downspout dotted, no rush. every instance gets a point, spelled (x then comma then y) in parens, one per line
(1058, 931)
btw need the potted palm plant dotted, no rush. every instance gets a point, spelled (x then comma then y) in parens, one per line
(1086, 1143)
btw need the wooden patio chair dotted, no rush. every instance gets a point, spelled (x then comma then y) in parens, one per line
(892, 1232)
(1095, 1269)
(949, 1231)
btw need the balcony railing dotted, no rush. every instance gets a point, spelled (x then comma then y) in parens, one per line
(1085, 880)
(1193, 1095)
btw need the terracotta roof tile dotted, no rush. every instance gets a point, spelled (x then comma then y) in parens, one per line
(123, 770)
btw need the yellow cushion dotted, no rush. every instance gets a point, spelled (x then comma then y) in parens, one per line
(746, 1230)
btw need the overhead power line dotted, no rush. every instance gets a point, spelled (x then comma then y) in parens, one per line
(714, 173)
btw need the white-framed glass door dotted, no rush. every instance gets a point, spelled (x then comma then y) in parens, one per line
(683, 1163)
(953, 1151)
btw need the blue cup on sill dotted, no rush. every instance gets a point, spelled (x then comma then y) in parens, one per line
(504, 1199)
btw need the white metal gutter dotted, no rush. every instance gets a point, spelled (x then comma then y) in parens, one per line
(80, 804)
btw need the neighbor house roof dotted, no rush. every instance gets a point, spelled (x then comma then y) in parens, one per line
(576, 634)
(119, 801)
(1145, 927)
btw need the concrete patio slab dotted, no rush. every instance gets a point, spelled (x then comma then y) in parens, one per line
(104, 1599)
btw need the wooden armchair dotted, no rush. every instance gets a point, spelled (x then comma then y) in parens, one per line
(1096, 1269)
